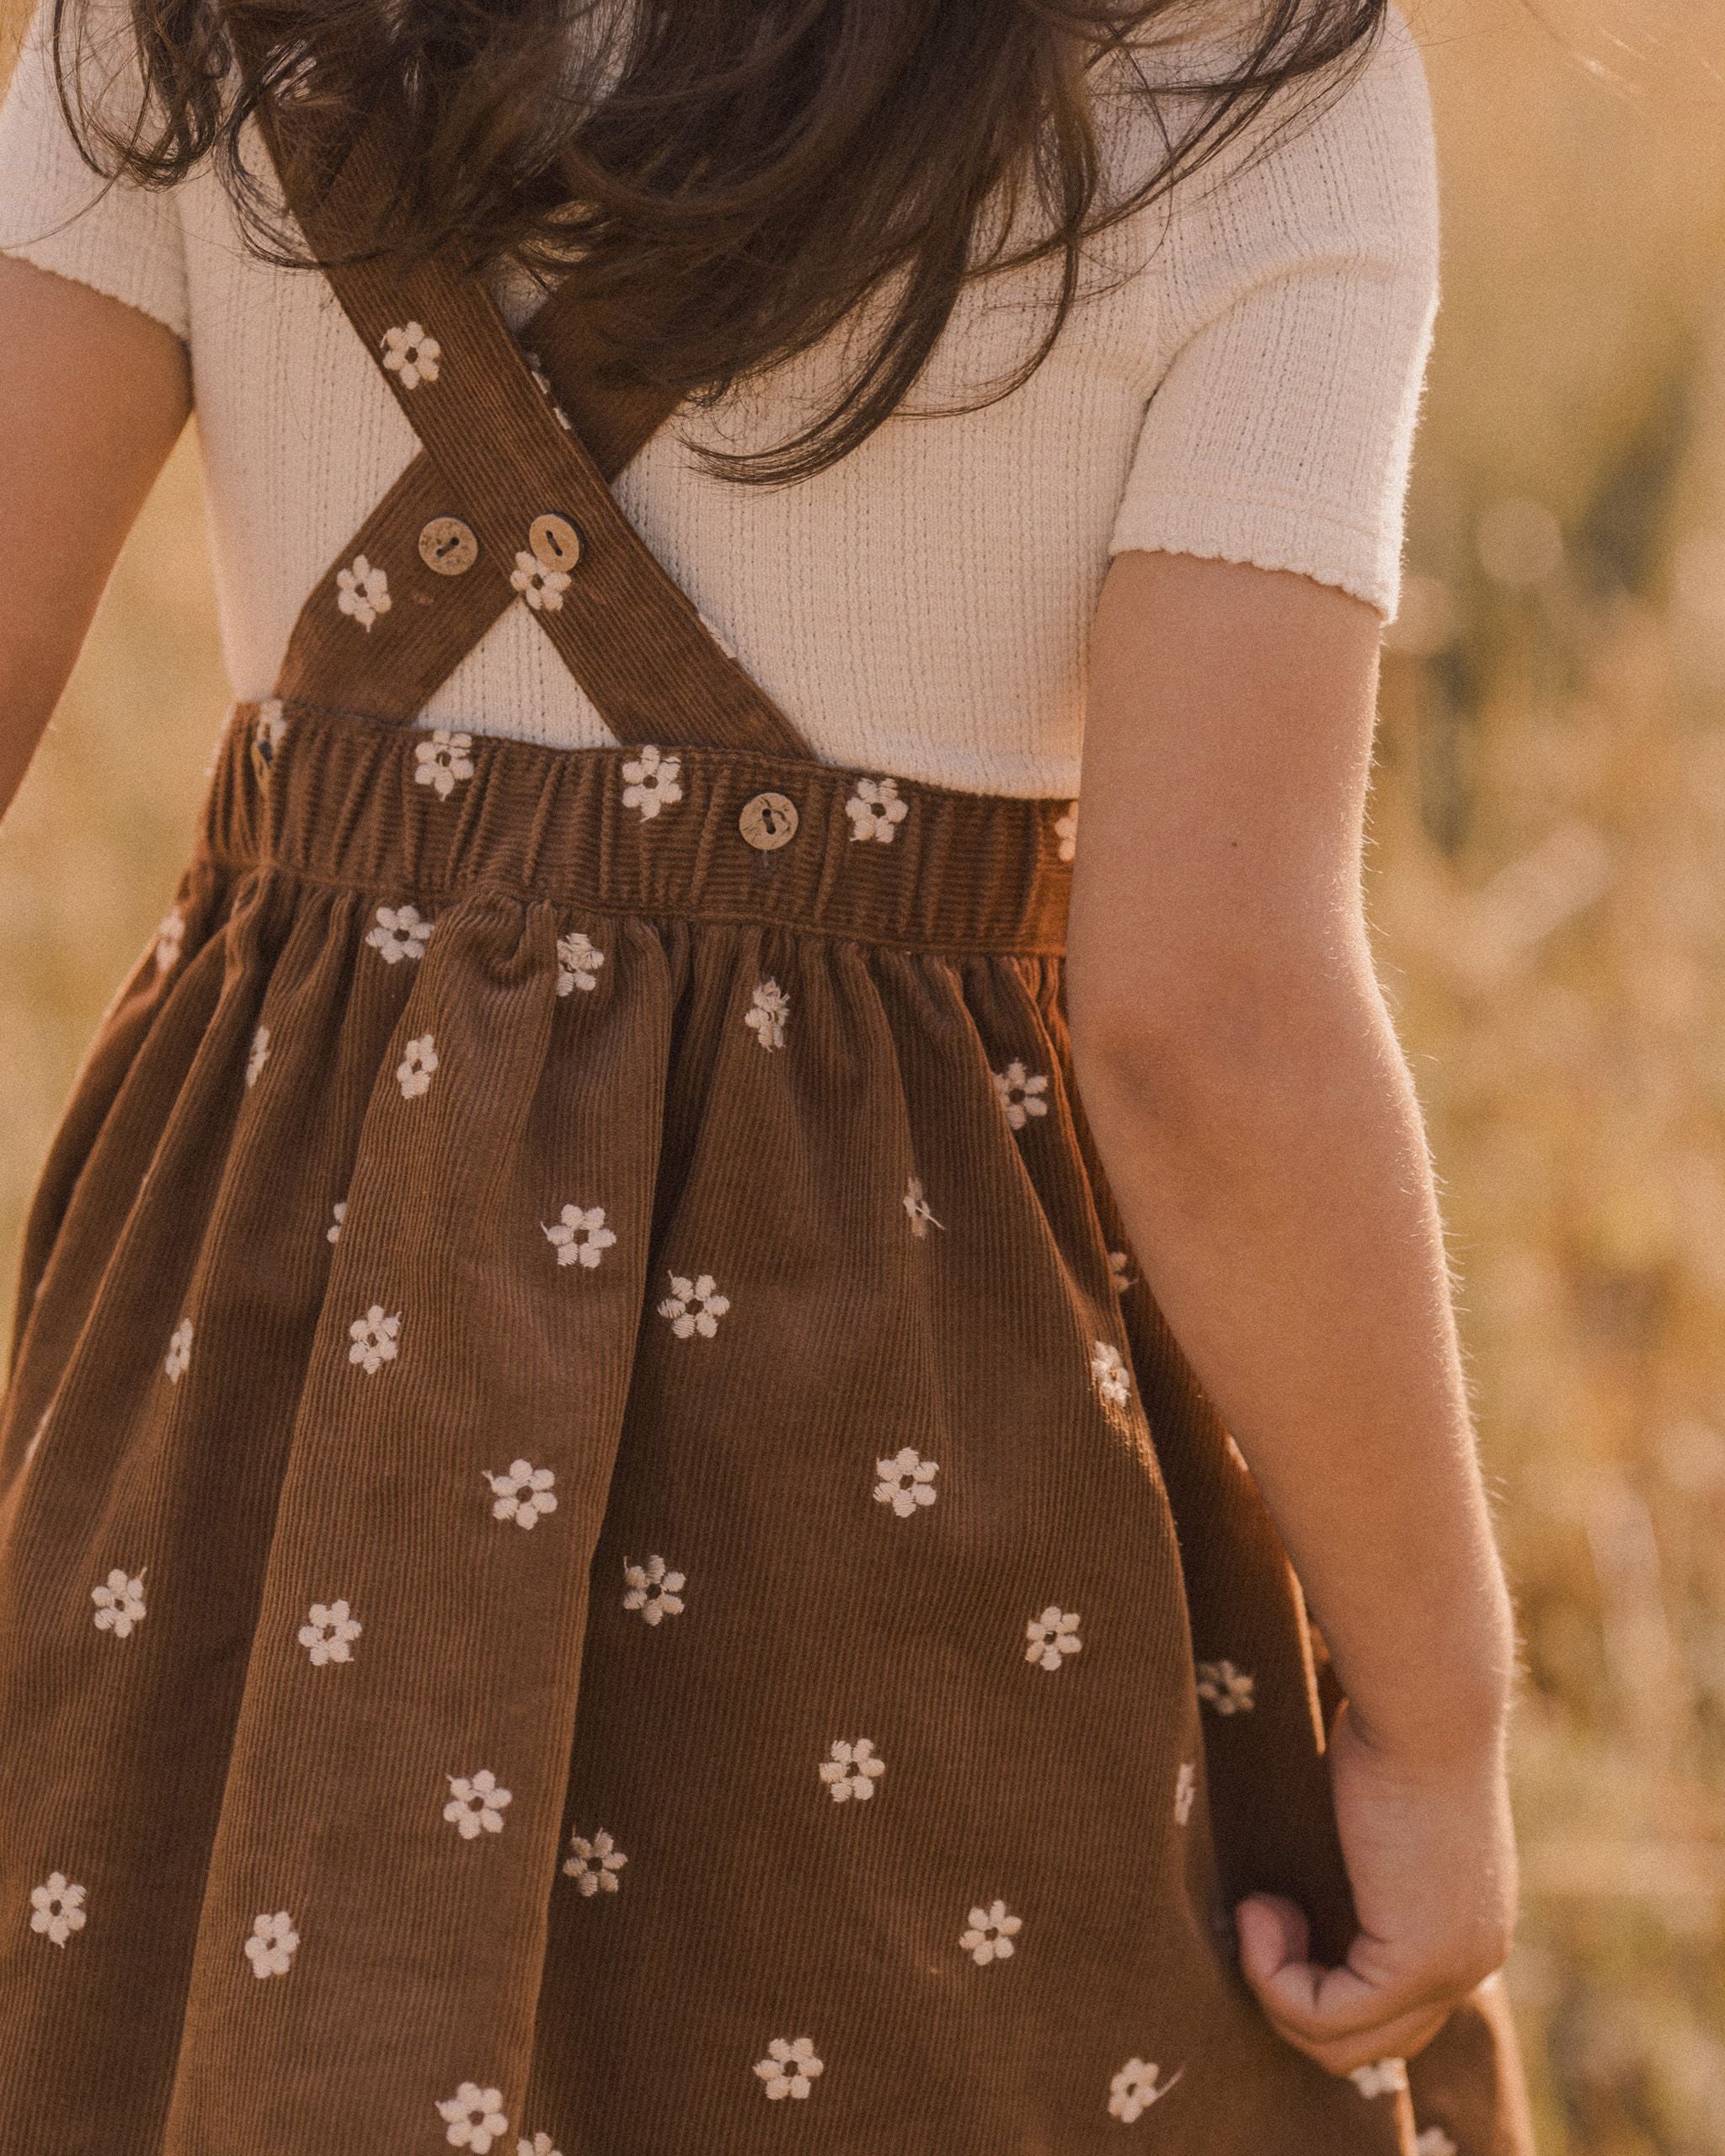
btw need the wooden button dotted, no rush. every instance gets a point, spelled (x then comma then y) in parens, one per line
(448, 545)
(768, 820)
(555, 541)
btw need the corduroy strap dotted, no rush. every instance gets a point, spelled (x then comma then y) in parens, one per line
(505, 468)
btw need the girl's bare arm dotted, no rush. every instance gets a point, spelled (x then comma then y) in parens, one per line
(1259, 1126)
(92, 396)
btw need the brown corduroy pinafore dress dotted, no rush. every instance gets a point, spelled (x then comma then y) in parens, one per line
(602, 1548)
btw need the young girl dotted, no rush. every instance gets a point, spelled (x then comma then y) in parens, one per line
(605, 1545)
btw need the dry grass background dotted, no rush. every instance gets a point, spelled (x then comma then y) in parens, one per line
(1548, 890)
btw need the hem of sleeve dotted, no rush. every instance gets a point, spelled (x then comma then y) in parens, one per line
(98, 277)
(1261, 532)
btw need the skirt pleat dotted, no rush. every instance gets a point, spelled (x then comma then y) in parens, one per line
(599, 1548)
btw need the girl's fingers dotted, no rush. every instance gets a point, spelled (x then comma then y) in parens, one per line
(1333, 2014)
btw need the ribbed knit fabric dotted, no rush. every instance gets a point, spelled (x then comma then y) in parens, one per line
(1251, 393)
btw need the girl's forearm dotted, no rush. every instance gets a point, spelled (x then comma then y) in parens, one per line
(1275, 1180)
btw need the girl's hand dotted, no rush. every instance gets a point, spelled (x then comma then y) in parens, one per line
(1431, 1855)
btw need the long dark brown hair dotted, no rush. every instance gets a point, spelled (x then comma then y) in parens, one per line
(732, 179)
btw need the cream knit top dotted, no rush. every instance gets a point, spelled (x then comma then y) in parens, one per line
(1249, 392)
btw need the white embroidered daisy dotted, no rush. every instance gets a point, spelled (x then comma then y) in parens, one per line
(851, 1770)
(540, 2145)
(476, 1804)
(272, 1945)
(875, 810)
(399, 932)
(990, 1935)
(374, 1338)
(768, 1012)
(362, 591)
(524, 1494)
(907, 1482)
(119, 1603)
(409, 352)
(594, 1865)
(1022, 1093)
(57, 1908)
(474, 2117)
(259, 1055)
(328, 1633)
(413, 1074)
(1381, 2077)
(170, 939)
(1113, 1381)
(652, 782)
(651, 1589)
(268, 728)
(1136, 2087)
(1433, 2141)
(916, 1205)
(1066, 831)
(179, 1350)
(333, 1230)
(1053, 1636)
(790, 2067)
(442, 761)
(579, 1235)
(694, 1305)
(1228, 1689)
(578, 963)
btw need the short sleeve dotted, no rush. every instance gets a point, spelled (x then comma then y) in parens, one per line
(120, 239)
(1303, 277)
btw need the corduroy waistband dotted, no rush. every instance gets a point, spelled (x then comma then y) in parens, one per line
(347, 799)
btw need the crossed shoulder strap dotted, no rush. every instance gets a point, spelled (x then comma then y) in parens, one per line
(509, 502)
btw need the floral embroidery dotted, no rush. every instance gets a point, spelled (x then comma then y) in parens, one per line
(593, 1865)
(874, 808)
(268, 728)
(259, 1055)
(652, 782)
(272, 1945)
(333, 1230)
(916, 1205)
(413, 1074)
(1382, 2077)
(411, 353)
(1433, 2141)
(1185, 1790)
(580, 1237)
(1066, 831)
(523, 1494)
(1052, 1637)
(577, 962)
(374, 1338)
(1118, 1273)
(853, 1770)
(475, 2116)
(362, 591)
(179, 1350)
(767, 1013)
(120, 1604)
(329, 1633)
(1228, 1689)
(907, 1482)
(57, 1907)
(1113, 1381)
(990, 1938)
(443, 760)
(540, 2145)
(1136, 2087)
(694, 1305)
(1020, 1093)
(543, 379)
(399, 932)
(789, 2069)
(477, 1805)
(541, 588)
(170, 939)
(654, 1592)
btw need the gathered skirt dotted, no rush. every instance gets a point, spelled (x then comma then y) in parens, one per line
(602, 1548)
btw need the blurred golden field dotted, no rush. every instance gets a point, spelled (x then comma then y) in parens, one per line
(1548, 890)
